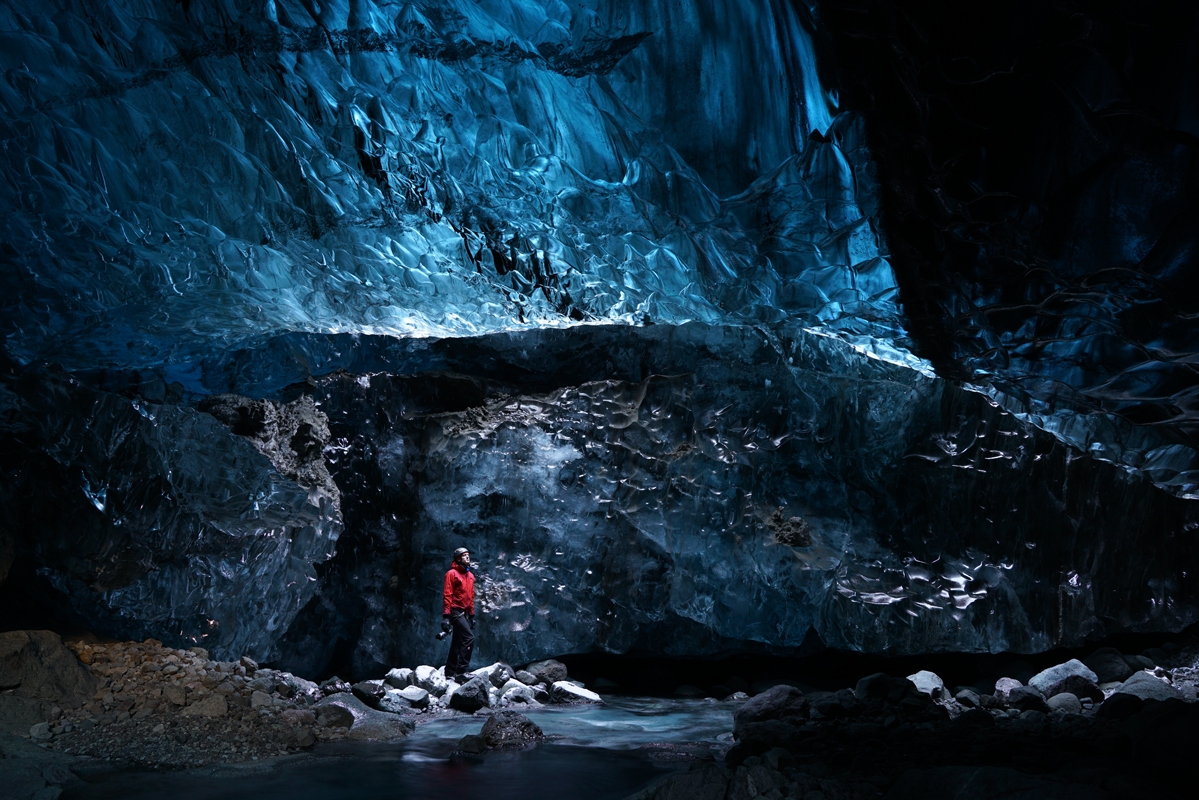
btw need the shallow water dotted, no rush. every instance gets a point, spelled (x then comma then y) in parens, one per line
(594, 753)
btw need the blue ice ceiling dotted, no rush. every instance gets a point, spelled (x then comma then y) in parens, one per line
(184, 178)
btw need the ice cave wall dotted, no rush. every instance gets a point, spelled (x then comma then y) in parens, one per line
(298, 296)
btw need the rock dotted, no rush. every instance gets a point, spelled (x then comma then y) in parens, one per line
(1066, 702)
(929, 683)
(263, 684)
(1148, 686)
(1004, 687)
(260, 700)
(969, 698)
(17, 714)
(834, 705)
(1157, 655)
(548, 671)
(369, 724)
(299, 716)
(1078, 686)
(369, 692)
(1140, 662)
(42, 667)
(784, 703)
(1046, 678)
(512, 684)
(498, 674)
(41, 732)
(472, 744)
(250, 664)
(506, 729)
(540, 693)
(334, 717)
(399, 678)
(1027, 698)
(518, 694)
(1109, 665)
(335, 685)
(1119, 706)
(881, 686)
(431, 680)
(471, 696)
(212, 706)
(563, 692)
(527, 678)
(175, 694)
(398, 701)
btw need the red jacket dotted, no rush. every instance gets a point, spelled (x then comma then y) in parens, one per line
(459, 590)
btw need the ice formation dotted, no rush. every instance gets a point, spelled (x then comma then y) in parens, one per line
(600, 288)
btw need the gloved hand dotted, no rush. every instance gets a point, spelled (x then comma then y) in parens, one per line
(446, 627)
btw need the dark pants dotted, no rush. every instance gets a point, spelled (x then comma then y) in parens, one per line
(461, 645)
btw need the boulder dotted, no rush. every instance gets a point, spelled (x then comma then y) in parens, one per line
(497, 674)
(400, 701)
(212, 706)
(507, 729)
(548, 671)
(369, 692)
(568, 693)
(527, 678)
(368, 724)
(1078, 686)
(1048, 677)
(17, 714)
(471, 696)
(332, 716)
(1147, 686)
(260, 700)
(334, 685)
(300, 717)
(929, 683)
(38, 665)
(472, 744)
(399, 678)
(1066, 702)
(518, 694)
(1109, 665)
(1140, 662)
(431, 680)
(250, 664)
(1027, 698)
(884, 687)
(968, 697)
(1119, 706)
(512, 684)
(1004, 687)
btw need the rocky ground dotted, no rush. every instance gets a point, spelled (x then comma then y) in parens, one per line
(1111, 726)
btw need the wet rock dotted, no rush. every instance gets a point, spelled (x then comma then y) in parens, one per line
(1140, 662)
(507, 729)
(520, 694)
(1148, 686)
(300, 717)
(1065, 702)
(369, 724)
(471, 696)
(569, 693)
(41, 666)
(333, 716)
(334, 685)
(472, 744)
(40, 732)
(1078, 686)
(1109, 665)
(968, 698)
(399, 678)
(548, 671)
(497, 674)
(398, 701)
(369, 692)
(1072, 668)
(527, 678)
(929, 683)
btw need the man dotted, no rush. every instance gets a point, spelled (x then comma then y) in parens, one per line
(458, 614)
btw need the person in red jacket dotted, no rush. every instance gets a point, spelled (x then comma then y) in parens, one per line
(458, 614)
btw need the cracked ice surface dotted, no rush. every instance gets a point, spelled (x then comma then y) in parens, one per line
(184, 178)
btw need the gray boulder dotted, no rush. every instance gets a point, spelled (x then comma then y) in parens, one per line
(507, 729)
(404, 701)
(1148, 686)
(333, 716)
(399, 678)
(334, 685)
(548, 671)
(38, 665)
(568, 693)
(1046, 678)
(527, 678)
(968, 697)
(369, 692)
(471, 696)
(784, 703)
(1109, 665)
(1065, 702)
(929, 683)
(431, 680)
(519, 694)
(1004, 687)
(369, 724)
(1027, 698)
(1078, 686)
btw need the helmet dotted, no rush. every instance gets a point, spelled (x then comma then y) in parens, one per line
(459, 553)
